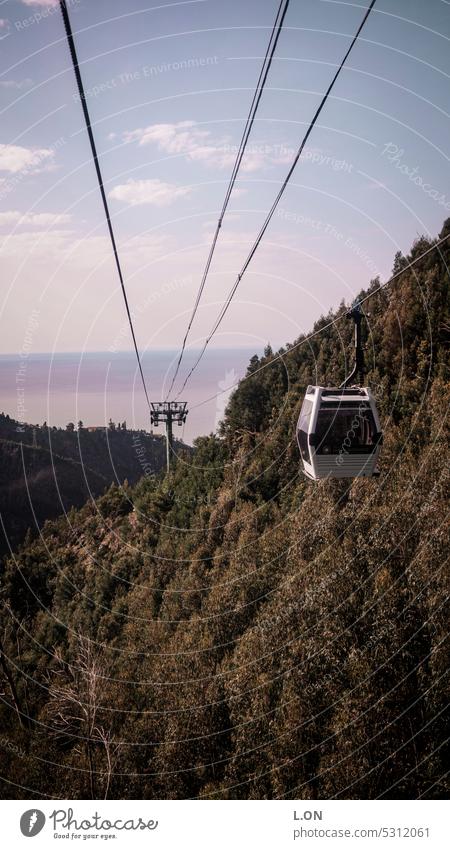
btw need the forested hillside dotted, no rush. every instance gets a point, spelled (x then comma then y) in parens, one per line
(45, 471)
(236, 631)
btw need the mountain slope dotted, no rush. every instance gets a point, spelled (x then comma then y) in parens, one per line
(46, 471)
(237, 631)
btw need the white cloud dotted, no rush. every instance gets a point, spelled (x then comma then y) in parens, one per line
(145, 247)
(36, 244)
(69, 247)
(172, 138)
(198, 145)
(16, 84)
(155, 192)
(14, 158)
(9, 217)
(47, 3)
(38, 219)
(46, 219)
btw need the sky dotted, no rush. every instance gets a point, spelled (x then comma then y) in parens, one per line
(169, 87)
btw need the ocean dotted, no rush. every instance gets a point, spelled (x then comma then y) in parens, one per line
(97, 386)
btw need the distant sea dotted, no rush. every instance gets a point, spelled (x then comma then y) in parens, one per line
(94, 387)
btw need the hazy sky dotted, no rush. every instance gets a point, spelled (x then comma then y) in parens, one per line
(169, 87)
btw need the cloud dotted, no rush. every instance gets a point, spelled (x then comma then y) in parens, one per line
(198, 145)
(39, 219)
(16, 84)
(155, 192)
(14, 158)
(82, 253)
(36, 244)
(47, 3)
(172, 138)
(145, 248)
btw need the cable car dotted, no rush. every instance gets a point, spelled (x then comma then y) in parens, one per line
(338, 430)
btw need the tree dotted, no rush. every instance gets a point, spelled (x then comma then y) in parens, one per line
(76, 700)
(7, 675)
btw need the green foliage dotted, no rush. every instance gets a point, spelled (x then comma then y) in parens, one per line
(46, 472)
(257, 635)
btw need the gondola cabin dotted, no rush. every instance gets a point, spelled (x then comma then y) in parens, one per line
(339, 433)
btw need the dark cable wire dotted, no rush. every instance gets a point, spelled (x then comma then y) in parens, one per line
(329, 324)
(265, 68)
(76, 67)
(276, 201)
(262, 79)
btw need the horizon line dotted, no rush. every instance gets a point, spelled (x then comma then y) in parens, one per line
(28, 354)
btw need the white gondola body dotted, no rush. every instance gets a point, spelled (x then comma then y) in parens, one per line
(339, 433)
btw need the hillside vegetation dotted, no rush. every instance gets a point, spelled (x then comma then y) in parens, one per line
(235, 631)
(46, 471)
